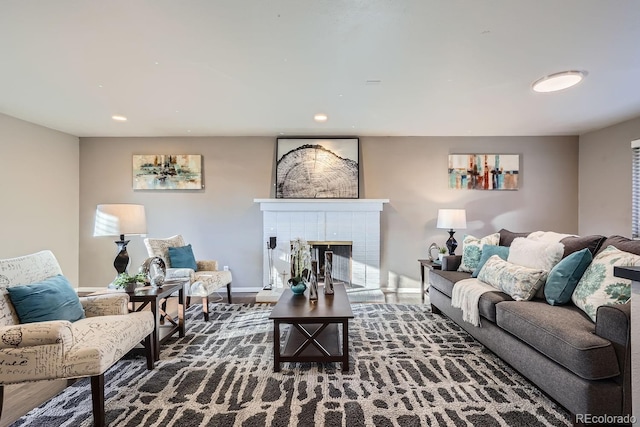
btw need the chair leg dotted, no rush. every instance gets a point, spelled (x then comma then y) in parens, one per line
(97, 396)
(150, 352)
(205, 308)
(1, 399)
(229, 292)
(188, 302)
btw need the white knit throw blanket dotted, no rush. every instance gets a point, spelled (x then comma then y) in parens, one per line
(466, 295)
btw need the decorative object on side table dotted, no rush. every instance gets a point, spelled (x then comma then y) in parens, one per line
(441, 253)
(130, 283)
(154, 270)
(452, 218)
(300, 265)
(120, 220)
(328, 278)
(436, 248)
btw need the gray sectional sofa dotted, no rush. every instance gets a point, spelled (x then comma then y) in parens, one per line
(582, 365)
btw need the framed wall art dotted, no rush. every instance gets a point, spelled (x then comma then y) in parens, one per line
(167, 172)
(484, 171)
(317, 168)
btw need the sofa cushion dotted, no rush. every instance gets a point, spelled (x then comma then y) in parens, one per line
(562, 333)
(519, 282)
(577, 243)
(564, 277)
(598, 286)
(506, 236)
(622, 243)
(487, 252)
(472, 250)
(443, 282)
(51, 299)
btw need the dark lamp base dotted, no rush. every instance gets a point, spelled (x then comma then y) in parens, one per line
(451, 243)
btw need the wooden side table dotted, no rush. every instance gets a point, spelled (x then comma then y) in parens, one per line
(430, 266)
(153, 296)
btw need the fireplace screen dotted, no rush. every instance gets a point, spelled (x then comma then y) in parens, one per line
(341, 266)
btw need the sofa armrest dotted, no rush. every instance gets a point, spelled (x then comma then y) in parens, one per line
(35, 334)
(613, 322)
(451, 262)
(115, 303)
(207, 265)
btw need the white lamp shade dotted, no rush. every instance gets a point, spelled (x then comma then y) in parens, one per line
(120, 219)
(452, 219)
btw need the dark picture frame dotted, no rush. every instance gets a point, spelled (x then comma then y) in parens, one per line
(318, 168)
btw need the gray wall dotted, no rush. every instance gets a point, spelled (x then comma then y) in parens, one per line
(605, 179)
(39, 193)
(223, 223)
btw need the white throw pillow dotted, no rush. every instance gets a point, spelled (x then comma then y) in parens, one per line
(472, 250)
(520, 283)
(538, 254)
(598, 286)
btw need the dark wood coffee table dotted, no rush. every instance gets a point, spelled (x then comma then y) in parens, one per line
(314, 334)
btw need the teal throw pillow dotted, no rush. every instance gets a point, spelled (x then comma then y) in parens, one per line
(52, 299)
(564, 277)
(487, 252)
(182, 257)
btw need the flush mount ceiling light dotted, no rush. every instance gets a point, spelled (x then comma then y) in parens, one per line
(320, 117)
(558, 81)
(119, 118)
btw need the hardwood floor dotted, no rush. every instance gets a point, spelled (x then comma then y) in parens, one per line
(21, 398)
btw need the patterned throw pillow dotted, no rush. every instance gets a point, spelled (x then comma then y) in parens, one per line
(472, 250)
(598, 286)
(520, 283)
(487, 252)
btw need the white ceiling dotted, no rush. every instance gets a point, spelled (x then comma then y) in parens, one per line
(265, 67)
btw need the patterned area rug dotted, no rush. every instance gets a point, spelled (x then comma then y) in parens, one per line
(408, 368)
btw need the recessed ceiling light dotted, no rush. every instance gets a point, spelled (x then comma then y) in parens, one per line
(558, 81)
(119, 118)
(320, 117)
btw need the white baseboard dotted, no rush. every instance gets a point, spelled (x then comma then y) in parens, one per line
(401, 290)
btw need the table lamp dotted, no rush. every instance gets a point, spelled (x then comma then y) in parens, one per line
(118, 220)
(452, 218)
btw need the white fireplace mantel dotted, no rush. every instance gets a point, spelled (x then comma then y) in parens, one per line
(353, 220)
(321, 205)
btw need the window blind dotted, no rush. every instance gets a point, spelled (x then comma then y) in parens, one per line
(635, 190)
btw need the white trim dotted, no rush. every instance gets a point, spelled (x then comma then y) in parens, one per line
(635, 143)
(321, 205)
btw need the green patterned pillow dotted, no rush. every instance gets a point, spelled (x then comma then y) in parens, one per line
(472, 250)
(598, 286)
(520, 283)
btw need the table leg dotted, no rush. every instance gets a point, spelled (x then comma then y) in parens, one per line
(345, 345)
(276, 346)
(155, 335)
(422, 281)
(181, 305)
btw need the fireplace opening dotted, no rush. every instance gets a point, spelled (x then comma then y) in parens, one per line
(341, 260)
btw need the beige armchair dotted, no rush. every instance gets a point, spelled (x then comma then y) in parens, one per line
(60, 349)
(203, 281)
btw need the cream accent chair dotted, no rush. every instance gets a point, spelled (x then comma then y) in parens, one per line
(61, 349)
(202, 283)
